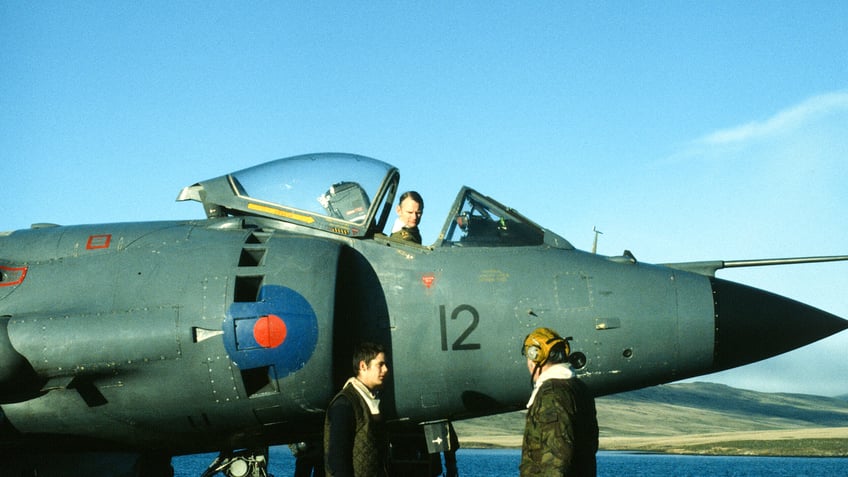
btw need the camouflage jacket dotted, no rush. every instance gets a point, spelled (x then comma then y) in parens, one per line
(561, 432)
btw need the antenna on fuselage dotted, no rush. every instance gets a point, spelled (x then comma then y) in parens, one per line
(595, 243)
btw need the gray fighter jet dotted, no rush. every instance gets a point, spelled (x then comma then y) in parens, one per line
(122, 345)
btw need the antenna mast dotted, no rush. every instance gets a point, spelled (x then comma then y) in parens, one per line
(595, 243)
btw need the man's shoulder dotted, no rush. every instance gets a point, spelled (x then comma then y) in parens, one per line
(572, 382)
(345, 397)
(561, 388)
(565, 393)
(350, 398)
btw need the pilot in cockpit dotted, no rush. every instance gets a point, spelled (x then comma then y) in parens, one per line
(409, 210)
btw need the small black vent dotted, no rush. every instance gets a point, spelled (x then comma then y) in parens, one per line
(259, 381)
(251, 257)
(257, 237)
(247, 288)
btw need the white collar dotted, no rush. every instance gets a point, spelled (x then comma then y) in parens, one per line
(555, 371)
(370, 398)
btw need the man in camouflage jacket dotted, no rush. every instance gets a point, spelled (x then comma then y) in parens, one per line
(561, 431)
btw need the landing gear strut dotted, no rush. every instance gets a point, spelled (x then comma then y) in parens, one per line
(243, 463)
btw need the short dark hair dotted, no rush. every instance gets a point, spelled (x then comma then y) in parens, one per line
(411, 194)
(365, 351)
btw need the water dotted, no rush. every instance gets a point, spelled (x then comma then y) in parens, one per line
(504, 462)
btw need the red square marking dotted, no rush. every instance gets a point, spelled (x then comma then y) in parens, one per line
(98, 241)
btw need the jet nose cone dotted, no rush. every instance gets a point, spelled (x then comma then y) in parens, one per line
(753, 324)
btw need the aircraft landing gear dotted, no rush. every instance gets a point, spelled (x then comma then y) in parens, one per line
(243, 463)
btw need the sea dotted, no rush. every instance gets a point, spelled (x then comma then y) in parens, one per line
(504, 462)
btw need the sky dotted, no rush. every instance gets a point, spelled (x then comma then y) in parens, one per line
(683, 131)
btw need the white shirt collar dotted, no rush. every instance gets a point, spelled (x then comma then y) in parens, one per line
(555, 371)
(370, 398)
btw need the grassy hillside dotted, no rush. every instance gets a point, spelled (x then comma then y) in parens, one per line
(697, 418)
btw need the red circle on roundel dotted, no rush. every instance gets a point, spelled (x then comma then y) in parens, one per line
(269, 331)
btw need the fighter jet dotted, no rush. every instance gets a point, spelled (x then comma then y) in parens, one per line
(123, 345)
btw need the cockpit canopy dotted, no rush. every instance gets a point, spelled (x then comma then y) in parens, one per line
(480, 221)
(352, 195)
(334, 192)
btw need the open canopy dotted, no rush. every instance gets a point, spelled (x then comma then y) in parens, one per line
(334, 192)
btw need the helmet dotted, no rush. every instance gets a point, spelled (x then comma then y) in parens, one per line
(538, 344)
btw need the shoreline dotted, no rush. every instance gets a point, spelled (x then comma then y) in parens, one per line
(807, 442)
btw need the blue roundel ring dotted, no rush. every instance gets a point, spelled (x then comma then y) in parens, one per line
(280, 329)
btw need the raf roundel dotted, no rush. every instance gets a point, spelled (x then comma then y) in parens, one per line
(280, 329)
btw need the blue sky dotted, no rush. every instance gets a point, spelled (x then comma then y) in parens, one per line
(682, 130)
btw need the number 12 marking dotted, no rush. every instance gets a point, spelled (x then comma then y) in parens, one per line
(459, 344)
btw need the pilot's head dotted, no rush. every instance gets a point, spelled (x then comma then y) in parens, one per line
(543, 347)
(410, 208)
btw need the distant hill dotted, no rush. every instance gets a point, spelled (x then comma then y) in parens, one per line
(700, 418)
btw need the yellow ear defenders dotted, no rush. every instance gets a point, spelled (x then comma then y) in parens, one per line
(538, 345)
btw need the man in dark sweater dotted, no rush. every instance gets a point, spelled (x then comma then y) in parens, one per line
(355, 440)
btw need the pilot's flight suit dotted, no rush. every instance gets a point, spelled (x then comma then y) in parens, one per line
(410, 234)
